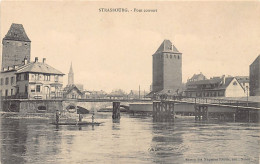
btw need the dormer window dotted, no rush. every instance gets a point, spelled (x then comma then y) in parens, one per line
(234, 83)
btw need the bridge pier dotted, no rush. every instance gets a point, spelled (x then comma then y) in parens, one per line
(163, 111)
(201, 112)
(116, 110)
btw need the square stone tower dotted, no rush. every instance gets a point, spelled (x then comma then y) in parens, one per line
(254, 77)
(16, 46)
(167, 68)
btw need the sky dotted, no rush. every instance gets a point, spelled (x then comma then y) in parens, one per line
(114, 50)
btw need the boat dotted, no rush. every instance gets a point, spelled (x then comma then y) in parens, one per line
(77, 123)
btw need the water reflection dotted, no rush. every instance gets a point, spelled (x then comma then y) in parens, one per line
(133, 139)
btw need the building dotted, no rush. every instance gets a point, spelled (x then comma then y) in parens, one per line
(117, 94)
(215, 87)
(16, 46)
(80, 87)
(254, 77)
(167, 69)
(197, 77)
(135, 94)
(71, 76)
(244, 81)
(34, 80)
(72, 92)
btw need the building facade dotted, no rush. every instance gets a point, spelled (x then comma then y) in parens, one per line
(34, 80)
(167, 68)
(16, 46)
(254, 77)
(215, 87)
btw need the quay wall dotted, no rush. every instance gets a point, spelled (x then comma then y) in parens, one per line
(32, 106)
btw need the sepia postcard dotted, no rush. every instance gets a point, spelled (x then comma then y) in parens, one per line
(129, 82)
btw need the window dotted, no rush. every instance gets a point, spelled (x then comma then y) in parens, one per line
(2, 81)
(6, 92)
(36, 76)
(56, 78)
(12, 80)
(32, 77)
(17, 90)
(12, 92)
(26, 76)
(7, 81)
(32, 88)
(234, 83)
(26, 89)
(18, 78)
(178, 57)
(47, 77)
(38, 88)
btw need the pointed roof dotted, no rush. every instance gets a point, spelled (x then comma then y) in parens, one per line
(38, 67)
(71, 70)
(167, 46)
(257, 60)
(17, 33)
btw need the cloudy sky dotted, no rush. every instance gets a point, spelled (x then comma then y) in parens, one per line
(114, 50)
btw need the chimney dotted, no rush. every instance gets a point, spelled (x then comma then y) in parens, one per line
(36, 59)
(224, 79)
(25, 61)
(5, 69)
(16, 66)
(44, 60)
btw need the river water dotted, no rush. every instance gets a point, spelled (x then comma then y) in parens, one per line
(135, 139)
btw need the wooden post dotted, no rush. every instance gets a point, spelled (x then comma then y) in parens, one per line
(116, 110)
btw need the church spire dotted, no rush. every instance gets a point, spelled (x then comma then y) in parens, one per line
(71, 70)
(71, 76)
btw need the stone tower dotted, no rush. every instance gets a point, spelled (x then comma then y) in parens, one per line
(71, 76)
(16, 46)
(167, 68)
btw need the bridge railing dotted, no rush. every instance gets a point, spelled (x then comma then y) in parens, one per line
(203, 100)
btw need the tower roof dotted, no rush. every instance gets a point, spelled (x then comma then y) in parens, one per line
(17, 33)
(71, 70)
(167, 46)
(257, 60)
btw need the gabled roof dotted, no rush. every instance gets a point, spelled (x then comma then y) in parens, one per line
(17, 33)
(167, 46)
(38, 67)
(220, 84)
(72, 87)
